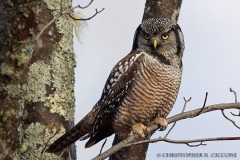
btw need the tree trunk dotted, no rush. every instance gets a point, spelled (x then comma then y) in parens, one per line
(36, 77)
(153, 8)
(162, 8)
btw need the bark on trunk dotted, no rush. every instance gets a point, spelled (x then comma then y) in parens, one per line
(162, 8)
(36, 77)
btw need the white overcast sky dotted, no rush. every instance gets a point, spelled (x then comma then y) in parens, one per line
(211, 64)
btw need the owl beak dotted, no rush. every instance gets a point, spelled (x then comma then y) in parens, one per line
(155, 43)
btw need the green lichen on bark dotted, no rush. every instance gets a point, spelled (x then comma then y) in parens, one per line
(25, 54)
(36, 76)
(51, 81)
(61, 64)
(35, 141)
(8, 70)
(14, 56)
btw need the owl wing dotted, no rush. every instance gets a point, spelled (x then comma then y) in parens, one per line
(118, 84)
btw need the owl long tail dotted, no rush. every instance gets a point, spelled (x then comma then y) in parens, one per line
(80, 130)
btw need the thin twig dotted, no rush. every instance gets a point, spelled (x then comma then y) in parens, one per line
(233, 122)
(86, 5)
(204, 104)
(235, 94)
(85, 19)
(235, 97)
(170, 130)
(185, 103)
(184, 107)
(68, 11)
(45, 27)
(103, 146)
(47, 143)
(196, 145)
(237, 115)
(187, 142)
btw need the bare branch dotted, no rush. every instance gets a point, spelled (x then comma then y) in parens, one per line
(68, 12)
(184, 107)
(85, 19)
(185, 103)
(204, 104)
(235, 94)
(233, 122)
(86, 5)
(235, 114)
(178, 117)
(187, 142)
(47, 143)
(103, 146)
(45, 27)
(196, 145)
(170, 129)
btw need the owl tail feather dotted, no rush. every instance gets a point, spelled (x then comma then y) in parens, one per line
(78, 131)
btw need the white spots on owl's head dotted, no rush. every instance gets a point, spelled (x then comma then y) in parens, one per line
(157, 25)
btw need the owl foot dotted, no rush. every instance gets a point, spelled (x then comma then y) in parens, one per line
(140, 129)
(162, 122)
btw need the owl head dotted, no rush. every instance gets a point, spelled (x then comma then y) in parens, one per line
(161, 37)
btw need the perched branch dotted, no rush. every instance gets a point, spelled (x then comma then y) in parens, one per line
(178, 117)
(233, 122)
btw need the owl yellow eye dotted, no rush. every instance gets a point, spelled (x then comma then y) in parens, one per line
(147, 36)
(165, 36)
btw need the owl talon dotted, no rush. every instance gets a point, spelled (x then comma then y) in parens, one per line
(162, 122)
(140, 129)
